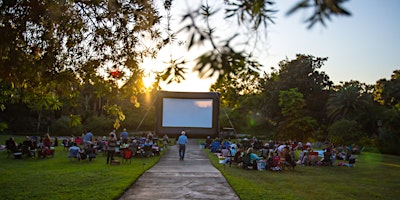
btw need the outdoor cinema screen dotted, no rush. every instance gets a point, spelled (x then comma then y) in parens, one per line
(187, 113)
(195, 112)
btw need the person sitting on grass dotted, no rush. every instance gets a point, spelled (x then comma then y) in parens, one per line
(74, 151)
(289, 161)
(253, 157)
(208, 142)
(12, 146)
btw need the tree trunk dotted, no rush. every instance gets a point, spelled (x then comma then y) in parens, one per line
(39, 120)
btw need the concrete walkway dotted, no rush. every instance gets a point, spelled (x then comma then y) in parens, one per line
(171, 178)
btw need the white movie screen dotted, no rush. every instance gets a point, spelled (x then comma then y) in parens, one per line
(187, 113)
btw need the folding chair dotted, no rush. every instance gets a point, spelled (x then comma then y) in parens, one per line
(127, 155)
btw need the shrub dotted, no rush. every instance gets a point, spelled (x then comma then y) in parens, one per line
(389, 142)
(345, 132)
(61, 127)
(99, 125)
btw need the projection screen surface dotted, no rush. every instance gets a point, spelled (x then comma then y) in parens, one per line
(187, 113)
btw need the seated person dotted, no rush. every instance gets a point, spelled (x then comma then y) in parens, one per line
(47, 141)
(74, 151)
(289, 162)
(264, 152)
(300, 158)
(225, 152)
(216, 146)
(233, 151)
(29, 147)
(253, 158)
(355, 149)
(226, 144)
(12, 146)
(148, 147)
(134, 146)
(327, 159)
(89, 150)
(237, 157)
(273, 162)
(270, 160)
(208, 142)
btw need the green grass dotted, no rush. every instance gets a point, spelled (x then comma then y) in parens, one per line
(64, 178)
(376, 176)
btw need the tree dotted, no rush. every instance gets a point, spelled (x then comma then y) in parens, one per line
(42, 41)
(295, 124)
(238, 91)
(345, 132)
(108, 35)
(304, 74)
(387, 92)
(347, 103)
(43, 38)
(234, 51)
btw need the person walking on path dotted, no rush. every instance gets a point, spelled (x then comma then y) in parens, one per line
(182, 140)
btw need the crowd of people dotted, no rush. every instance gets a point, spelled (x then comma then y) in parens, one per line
(276, 155)
(32, 146)
(112, 145)
(87, 145)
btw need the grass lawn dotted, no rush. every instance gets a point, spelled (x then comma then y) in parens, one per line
(375, 176)
(64, 178)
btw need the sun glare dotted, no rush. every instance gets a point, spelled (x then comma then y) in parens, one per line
(148, 81)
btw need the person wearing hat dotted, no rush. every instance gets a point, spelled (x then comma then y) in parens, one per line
(182, 140)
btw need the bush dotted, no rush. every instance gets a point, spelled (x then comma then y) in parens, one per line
(389, 143)
(61, 127)
(100, 125)
(345, 132)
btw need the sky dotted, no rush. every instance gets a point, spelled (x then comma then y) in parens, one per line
(363, 47)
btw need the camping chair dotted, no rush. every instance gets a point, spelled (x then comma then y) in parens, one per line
(44, 152)
(127, 155)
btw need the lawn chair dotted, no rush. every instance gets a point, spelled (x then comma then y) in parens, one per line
(127, 155)
(44, 152)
